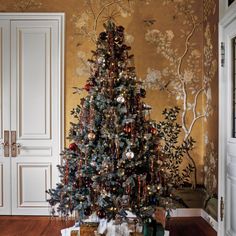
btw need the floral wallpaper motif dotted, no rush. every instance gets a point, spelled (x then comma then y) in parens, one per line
(175, 47)
(22, 5)
(210, 74)
(210, 167)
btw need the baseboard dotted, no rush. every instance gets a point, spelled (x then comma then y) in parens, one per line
(195, 212)
(211, 221)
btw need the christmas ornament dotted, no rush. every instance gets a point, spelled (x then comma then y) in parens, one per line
(127, 129)
(129, 155)
(153, 130)
(91, 136)
(73, 147)
(142, 93)
(100, 60)
(120, 99)
(103, 36)
(87, 87)
(101, 213)
(87, 211)
(120, 29)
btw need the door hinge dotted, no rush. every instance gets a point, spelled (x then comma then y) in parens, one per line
(222, 53)
(222, 208)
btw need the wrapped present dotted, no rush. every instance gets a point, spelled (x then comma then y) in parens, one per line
(160, 216)
(88, 229)
(74, 232)
(136, 234)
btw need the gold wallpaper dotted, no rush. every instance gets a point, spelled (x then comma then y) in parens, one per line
(175, 53)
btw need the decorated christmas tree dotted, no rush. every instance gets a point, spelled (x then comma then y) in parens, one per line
(112, 163)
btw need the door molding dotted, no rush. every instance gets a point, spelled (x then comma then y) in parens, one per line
(224, 118)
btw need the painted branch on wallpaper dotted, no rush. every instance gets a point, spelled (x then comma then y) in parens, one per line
(101, 11)
(182, 77)
(185, 96)
(24, 5)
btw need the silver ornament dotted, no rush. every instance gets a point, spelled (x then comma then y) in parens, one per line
(120, 99)
(129, 155)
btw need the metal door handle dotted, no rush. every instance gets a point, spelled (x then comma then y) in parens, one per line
(16, 148)
(13, 144)
(5, 143)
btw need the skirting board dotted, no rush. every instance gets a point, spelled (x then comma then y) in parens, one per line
(195, 212)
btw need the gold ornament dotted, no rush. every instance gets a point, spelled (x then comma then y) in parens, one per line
(91, 136)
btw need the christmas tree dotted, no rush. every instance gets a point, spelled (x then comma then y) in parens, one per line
(112, 163)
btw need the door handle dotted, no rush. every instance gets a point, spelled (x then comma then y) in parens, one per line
(13, 144)
(15, 149)
(5, 143)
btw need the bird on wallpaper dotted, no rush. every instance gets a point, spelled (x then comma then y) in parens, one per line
(149, 22)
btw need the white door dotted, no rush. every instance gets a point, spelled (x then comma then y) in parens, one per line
(5, 161)
(227, 127)
(35, 112)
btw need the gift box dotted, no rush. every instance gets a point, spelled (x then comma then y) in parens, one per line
(74, 232)
(88, 229)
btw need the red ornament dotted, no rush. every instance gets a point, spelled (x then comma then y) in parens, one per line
(73, 147)
(153, 130)
(87, 87)
(127, 129)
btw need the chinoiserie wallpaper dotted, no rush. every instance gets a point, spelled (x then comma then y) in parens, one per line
(174, 43)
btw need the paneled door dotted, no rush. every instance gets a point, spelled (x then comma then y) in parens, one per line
(5, 160)
(35, 133)
(227, 126)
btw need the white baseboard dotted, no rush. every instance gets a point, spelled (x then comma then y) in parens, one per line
(211, 221)
(195, 212)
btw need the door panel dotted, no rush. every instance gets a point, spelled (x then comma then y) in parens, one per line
(33, 45)
(29, 175)
(5, 172)
(35, 113)
(32, 42)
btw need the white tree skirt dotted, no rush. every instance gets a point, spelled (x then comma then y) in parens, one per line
(66, 232)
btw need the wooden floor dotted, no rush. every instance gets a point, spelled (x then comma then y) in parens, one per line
(190, 226)
(43, 226)
(31, 226)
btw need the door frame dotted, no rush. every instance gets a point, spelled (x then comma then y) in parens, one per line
(59, 17)
(224, 122)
